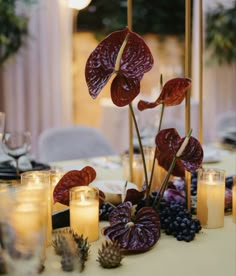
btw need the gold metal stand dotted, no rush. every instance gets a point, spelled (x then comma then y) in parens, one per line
(188, 95)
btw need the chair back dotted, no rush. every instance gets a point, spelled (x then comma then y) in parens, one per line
(72, 142)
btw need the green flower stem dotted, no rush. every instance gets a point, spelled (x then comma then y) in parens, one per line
(165, 182)
(140, 145)
(154, 157)
(155, 153)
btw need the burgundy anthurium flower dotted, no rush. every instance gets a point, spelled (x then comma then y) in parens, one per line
(134, 233)
(72, 179)
(169, 142)
(172, 93)
(124, 53)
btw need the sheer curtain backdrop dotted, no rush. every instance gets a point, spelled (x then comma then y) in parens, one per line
(219, 81)
(36, 88)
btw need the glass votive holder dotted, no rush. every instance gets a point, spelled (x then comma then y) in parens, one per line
(84, 211)
(211, 197)
(23, 233)
(137, 170)
(149, 152)
(159, 173)
(37, 185)
(234, 199)
(55, 176)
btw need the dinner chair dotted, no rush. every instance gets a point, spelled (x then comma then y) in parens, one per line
(72, 142)
(226, 126)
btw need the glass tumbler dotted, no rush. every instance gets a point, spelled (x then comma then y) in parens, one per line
(234, 200)
(211, 197)
(137, 169)
(23, 232)
(84, 211)
(38, 183)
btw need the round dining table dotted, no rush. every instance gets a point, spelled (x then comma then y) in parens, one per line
(211, 253)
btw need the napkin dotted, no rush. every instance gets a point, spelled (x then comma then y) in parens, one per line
(8, 167)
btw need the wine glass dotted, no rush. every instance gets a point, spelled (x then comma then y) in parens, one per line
(16, 144)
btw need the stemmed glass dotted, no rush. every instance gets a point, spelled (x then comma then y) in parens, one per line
(16, 144)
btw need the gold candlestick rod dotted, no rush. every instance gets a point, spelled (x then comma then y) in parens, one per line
(129, 14)
(187, 61)
(200, 110)
(188, 95)
(131, 142)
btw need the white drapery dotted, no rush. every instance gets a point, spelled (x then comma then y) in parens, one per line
(36, 87)
(219, 82)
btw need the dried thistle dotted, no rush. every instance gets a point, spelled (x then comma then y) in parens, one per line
(65, 246)
(73, 248)
(82, 249)
(3, 269)
(110, 255)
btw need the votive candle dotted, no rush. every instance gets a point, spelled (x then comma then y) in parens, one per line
(28, 218)
(38, 184)
(234, 199)
(159, 172)
(211, 197)
(55, 177)
(84, 212)
(137, 167)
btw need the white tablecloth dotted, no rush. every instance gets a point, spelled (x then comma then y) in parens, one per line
(212, 253)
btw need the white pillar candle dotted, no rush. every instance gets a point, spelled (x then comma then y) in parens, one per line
(138, 172)
(84, 212)
(137, 167)
(27, 218)
(159, 173)
(158, 177)
(23, 232)
(211, 198)
(38, 184)
(234, 200)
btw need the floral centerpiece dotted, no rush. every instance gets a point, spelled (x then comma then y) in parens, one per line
(125, 55)
(136, 223)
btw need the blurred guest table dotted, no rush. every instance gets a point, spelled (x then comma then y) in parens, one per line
(211, 253)
(110, 167)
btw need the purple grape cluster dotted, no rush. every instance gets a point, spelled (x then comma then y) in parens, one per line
(177, 221)
(104, 211)
(194, 184)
